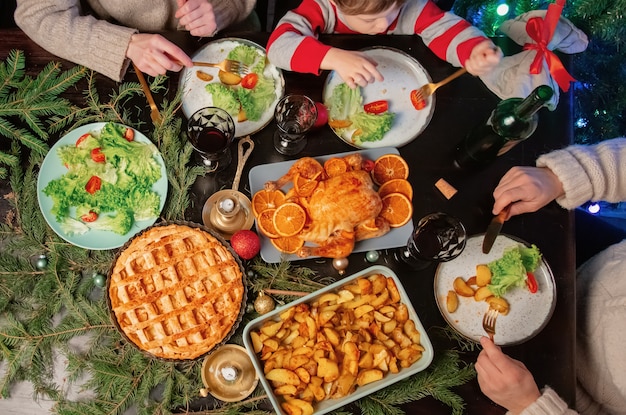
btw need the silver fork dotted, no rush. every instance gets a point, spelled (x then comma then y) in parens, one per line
(489, 322)
(227, 65)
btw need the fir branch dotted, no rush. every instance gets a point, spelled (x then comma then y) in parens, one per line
(286, 276)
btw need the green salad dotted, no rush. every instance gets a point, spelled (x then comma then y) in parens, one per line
(108, 184)
(253, 98)
(512, 268)
(346, 114)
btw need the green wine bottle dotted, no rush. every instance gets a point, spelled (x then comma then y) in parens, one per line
(513, 120)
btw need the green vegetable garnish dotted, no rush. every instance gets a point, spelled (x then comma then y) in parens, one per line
(127, 175)
(254, 102)
(510, 270)
(346, 103)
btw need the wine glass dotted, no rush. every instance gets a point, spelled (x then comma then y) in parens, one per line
(295, 115)
(438, 237)
(211, 131)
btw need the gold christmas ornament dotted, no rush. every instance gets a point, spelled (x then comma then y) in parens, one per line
(264, 303)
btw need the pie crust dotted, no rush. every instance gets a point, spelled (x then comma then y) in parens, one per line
(176, 291)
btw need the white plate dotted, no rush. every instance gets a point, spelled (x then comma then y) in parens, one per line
(529, 312)
(361, 391)
(402, 74)
(51, 169)
(260, 174)
(196, 97)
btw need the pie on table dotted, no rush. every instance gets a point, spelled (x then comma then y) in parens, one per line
(176, 291)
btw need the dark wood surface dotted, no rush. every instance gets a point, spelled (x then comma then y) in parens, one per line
(459, 105)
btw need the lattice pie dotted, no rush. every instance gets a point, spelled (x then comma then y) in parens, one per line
(176, 291)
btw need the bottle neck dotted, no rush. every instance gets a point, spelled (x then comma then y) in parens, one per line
(533, 102)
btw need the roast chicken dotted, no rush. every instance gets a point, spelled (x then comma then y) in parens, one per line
(341, 210)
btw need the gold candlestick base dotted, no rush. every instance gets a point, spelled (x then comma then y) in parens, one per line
(228, 374)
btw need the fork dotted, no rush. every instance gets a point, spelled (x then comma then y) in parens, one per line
(155, 115)
(489, 322)
(227, 65)
(430, 88)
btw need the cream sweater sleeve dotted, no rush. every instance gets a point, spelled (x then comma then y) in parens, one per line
(589, 172)
(58, 27)
(549, 403)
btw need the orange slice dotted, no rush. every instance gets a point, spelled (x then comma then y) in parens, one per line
(388, 167)
(289, 219)
(304, 186)
(288, 245)
(335, 166)
(339, 123)
(265, 223)
(397, 209)
(266, 199)
(396, 186)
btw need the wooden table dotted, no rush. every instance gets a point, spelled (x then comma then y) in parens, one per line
(460, 105)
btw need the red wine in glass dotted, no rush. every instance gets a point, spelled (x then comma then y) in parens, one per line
(209, 140)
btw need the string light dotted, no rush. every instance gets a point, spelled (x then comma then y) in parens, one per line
(502, 9)
(593, 208)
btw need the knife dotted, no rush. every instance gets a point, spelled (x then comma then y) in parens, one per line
(494, 228)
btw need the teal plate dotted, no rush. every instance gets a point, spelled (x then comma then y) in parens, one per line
(95, 239)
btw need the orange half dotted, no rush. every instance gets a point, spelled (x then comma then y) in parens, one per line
(266, 199)
(397, 209)
(396, 186)
(289, 219)
(389, 167)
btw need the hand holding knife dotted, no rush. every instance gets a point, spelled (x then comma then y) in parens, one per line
(494, 228)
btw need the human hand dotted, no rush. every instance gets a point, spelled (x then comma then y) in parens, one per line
(155, 55)
(504, 380)
(484, 57)
(197, 16)
(355, 68)
(527, 188)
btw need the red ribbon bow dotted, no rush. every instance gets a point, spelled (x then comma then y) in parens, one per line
(541, 31)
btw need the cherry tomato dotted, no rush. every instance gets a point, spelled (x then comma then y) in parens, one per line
(418, 102)
(531, 282)
(82, 138)
(93, 185)
(89, 217)
(322, 115)
(129, 134)
(376, 107)
(367, 165)
(97, 155)
(249, 81)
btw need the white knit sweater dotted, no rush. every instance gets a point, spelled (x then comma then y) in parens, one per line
(595, 172)
(99, 38)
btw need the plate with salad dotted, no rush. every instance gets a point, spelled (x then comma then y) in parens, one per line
(249, 99)
(382, 114)
(100, 184)
(518, 273)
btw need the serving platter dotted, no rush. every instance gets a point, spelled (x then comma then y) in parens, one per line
(389, 378)
(94, 239)
(402, 73)
(529, 312)
(195, 96)
(260, 174)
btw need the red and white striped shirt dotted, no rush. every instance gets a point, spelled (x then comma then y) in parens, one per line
(294, 44)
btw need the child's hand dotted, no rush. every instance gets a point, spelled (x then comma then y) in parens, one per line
(355, 68)
(197, 16)
(484, 57)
